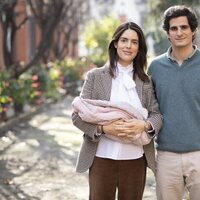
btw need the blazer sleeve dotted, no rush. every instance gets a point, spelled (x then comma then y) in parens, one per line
(88, 129)
(154, 117)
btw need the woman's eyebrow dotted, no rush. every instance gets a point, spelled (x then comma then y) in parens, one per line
(128, 39)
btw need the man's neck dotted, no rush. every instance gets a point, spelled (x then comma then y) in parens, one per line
(180, 54)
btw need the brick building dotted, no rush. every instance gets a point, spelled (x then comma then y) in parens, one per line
(28, 37)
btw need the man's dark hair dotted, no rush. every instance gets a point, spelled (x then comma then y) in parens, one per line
(179, 11)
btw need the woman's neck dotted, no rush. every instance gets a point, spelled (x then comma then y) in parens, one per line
(124, 64)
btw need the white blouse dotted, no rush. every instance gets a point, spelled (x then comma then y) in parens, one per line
(123, 90)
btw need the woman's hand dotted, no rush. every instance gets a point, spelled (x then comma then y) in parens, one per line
(126, 128)
(130, 127)
(111, 129)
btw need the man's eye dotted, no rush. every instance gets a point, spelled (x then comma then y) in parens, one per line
(173, 28)
(184, 27)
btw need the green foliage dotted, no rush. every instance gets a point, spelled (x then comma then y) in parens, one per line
(41, 83)
(53, 83)
(5, 99)
(16, 89)
(12, 90)
(97, 35)
(46, 83)
(71, 70)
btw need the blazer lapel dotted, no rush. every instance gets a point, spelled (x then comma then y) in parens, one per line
(106, 82)
(139, 86)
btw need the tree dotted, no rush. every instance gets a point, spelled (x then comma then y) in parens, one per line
(10, 27)
(50, 16)
(76, 13)
(96, 36)
(47, 14)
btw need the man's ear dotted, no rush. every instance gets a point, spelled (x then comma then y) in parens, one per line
(195, 31)
(168, 37)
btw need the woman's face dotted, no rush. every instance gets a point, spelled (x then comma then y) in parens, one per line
(127, 47)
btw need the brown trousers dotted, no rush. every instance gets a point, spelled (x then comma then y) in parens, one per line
(126, 177)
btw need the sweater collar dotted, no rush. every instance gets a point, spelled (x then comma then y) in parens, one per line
(171, 58)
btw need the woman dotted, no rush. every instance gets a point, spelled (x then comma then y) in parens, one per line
(113, 165)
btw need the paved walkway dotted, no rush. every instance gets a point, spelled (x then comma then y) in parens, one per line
(37, 159)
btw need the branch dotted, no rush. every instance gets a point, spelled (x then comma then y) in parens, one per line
(46, 41)
(22, 23)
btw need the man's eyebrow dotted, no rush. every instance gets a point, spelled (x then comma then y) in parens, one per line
(179, 25)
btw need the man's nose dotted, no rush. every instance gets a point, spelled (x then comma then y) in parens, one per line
(179, 31)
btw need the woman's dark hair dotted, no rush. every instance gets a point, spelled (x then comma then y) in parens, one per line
(140, 61)
(179, 11)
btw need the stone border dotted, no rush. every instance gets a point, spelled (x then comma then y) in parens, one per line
(7, 125)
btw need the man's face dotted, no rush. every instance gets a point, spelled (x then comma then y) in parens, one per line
(180, 33)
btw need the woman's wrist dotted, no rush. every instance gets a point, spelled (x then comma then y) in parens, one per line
(100, 129)
(147, 127)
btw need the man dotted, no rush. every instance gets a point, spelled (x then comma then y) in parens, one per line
(176, 77)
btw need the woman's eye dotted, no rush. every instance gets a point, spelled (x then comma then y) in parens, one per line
(123, 40)
(135, 42)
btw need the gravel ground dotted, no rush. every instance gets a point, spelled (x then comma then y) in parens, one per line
(37, 159)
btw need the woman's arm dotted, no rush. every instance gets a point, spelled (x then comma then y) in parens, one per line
(131, 127)
(87, 91)
(154, 117)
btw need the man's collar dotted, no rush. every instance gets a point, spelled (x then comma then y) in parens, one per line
(169, 51)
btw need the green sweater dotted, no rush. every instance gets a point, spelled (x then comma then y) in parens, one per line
(178, 92)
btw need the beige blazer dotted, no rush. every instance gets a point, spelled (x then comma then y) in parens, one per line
(98, 86)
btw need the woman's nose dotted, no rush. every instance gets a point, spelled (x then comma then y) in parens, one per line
(128, 45)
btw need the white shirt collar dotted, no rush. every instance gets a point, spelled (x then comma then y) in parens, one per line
(125, 74)
(122, 69)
